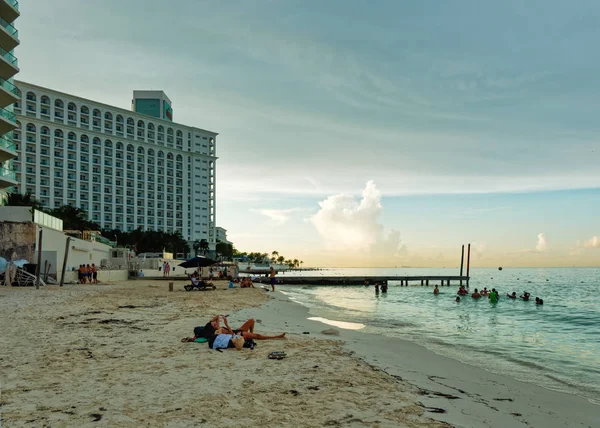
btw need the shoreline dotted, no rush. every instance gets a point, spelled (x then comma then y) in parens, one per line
(471, 396)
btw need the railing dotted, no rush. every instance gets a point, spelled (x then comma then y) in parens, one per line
(11, 30)
(7, 144)
(8, 114)
(9, 57)
(9, 86)
(8, 174)
(13, 3)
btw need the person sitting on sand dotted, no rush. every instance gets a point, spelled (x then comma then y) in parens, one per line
(525, 296)
(476, 295)
(436, 290)
(539, 301)
(512, 296)
(141, 274)
(462, 291)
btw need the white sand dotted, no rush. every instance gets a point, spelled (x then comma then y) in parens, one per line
(474, 397)
(71, 357)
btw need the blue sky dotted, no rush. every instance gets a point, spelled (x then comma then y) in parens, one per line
(475, 120)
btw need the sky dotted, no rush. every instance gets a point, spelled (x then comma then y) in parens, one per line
(382, 133)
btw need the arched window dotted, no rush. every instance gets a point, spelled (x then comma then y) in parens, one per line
(150, 152)
(58, 133)
(31, 96)
(130, 148)
(170, 131)
(108, 144)
(85, 110)
(30, 127)
(72, 107)
(161, 130)
(58, 103)
(84, 138)
(119, 118)
(140, 124)
(96, 113)
(45, 100)
(170, 156)
(160, 154)
(96, 141)
(44, 130)
(179, 158)
(150, 126)
(72, 136)
(179, 134)
(140, 150)
(130, 121)
(108, 115)
(119, 145)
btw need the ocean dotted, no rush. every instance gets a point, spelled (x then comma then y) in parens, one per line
(556, 346)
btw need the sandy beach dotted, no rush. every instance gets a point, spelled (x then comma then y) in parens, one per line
(110, 355)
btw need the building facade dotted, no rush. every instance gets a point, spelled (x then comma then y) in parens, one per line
(221, 235)
(126, 169)
(9, 66)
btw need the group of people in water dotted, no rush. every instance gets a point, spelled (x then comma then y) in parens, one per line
(223, 336)
(493, 295)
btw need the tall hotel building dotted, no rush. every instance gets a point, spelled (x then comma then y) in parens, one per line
(125, 168)
(9, 40)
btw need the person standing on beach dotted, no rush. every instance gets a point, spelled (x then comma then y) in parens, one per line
(94, 274)
(273, 280)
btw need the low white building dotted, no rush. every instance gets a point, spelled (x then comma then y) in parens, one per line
(19, 239)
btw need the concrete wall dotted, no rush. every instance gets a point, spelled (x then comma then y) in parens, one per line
(16, 214)
(17, 238)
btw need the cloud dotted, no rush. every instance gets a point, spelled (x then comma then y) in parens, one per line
(278, 217)
(352, 228)
(542, 243)
(593, 242)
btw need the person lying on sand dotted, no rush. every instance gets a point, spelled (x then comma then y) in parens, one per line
(225, 337)
(246, 330)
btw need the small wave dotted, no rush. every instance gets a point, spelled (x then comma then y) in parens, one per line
(341, 324)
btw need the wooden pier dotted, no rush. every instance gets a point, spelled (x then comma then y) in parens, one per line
(368, 280)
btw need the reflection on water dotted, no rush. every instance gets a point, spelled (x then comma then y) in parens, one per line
(341, 324)
(556, 345)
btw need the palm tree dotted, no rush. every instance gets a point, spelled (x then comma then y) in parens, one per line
(296, 263)
(196, 247)
(280, 259)
(274, 256)
(22, 200)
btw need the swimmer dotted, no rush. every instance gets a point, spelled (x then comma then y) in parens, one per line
(485, 292)
(462, 291)
(457, 299)
(493, 296)
(539, 301)
(511, 296)
(436, 290)
(476, 295)
(525, 296)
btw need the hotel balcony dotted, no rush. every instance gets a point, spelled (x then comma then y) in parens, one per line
(8, 150)
(9, 35)
(9, 65)
(8, 121)
(9, 10)
(9, 93)
(8, 178)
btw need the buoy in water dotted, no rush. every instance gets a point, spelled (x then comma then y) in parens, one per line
(500, 268)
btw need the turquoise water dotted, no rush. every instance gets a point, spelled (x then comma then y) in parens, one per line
(556, 345)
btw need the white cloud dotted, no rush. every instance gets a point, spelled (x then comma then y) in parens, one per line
(278, 217)
(593, 242)
(542, 242)
(349, 226)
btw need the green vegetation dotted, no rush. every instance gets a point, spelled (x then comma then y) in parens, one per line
(265, 258)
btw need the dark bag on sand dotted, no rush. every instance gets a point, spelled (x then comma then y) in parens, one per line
(199, 331)
(250, 343)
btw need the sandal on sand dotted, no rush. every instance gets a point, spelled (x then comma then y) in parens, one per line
(280, 355)
(187, 339)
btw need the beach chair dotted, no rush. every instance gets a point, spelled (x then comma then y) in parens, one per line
(199, 285)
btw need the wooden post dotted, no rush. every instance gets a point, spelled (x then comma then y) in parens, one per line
(462, 259)
(421, 283)
(170, 286)
(39, 262)
(45, 269)
(64, 266)
(427, 282)
(468, 263)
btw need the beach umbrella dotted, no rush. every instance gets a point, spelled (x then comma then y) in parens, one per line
(196, 262)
